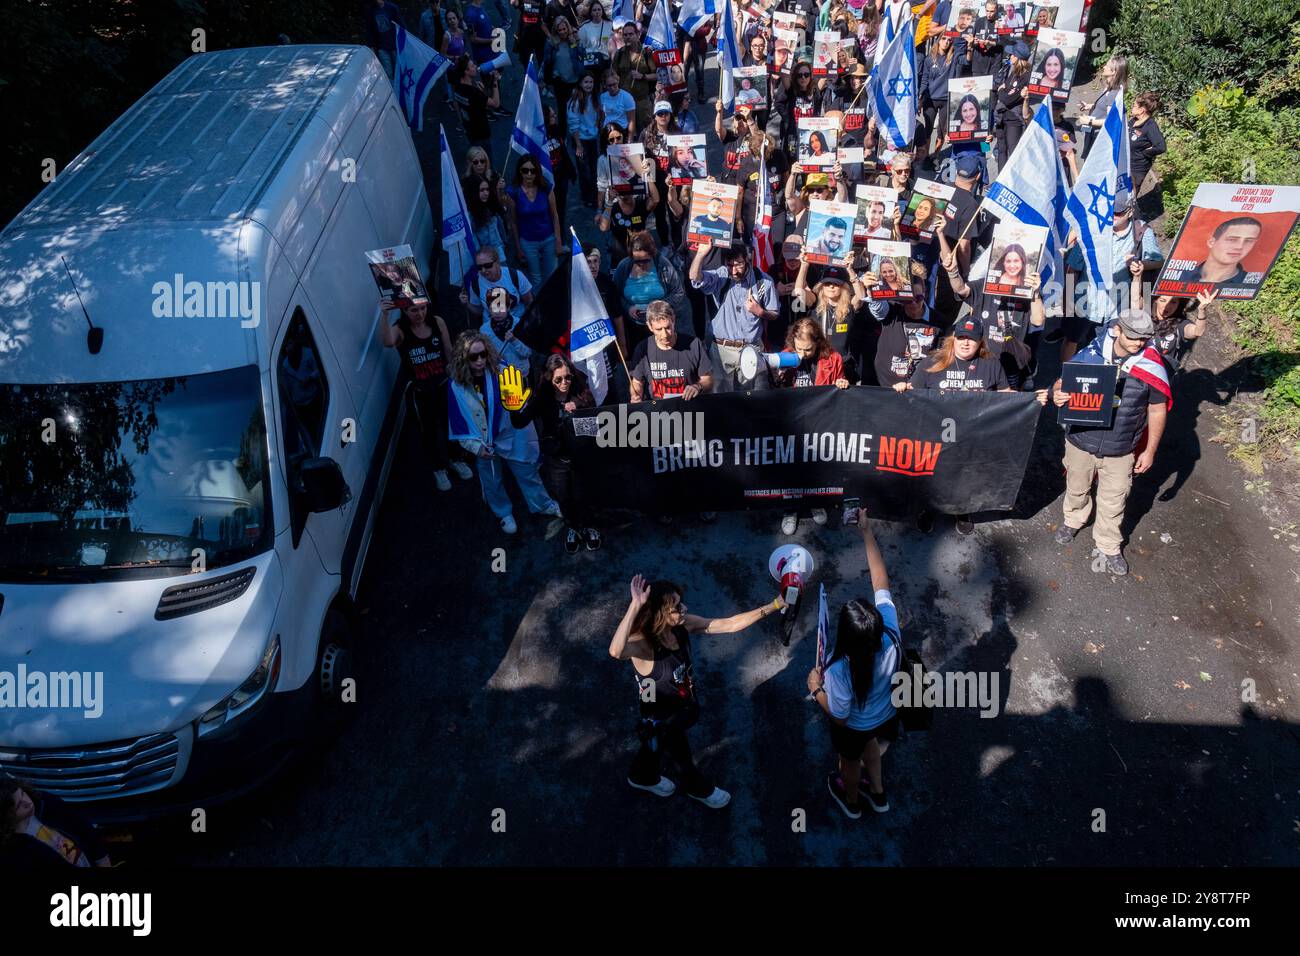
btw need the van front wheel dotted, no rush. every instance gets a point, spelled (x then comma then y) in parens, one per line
(335, 675)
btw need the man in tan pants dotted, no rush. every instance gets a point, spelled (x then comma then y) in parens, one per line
(1113, 454)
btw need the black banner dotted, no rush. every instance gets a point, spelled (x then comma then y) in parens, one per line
(898, 452)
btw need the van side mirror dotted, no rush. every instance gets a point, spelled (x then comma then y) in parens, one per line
(322, 484)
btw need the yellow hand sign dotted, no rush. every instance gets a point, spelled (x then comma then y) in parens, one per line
(513, 394)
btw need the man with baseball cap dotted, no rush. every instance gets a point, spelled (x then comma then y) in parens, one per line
(1114, 453)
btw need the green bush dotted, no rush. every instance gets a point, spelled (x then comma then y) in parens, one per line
(1176, 47)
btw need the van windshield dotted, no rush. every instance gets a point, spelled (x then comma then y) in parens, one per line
(130, 478)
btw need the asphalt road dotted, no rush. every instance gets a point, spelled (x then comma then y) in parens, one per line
(489, 697)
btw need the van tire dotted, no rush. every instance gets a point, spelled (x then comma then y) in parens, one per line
(334, 666)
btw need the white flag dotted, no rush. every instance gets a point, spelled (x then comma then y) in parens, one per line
(1091, 206)
(590, 330)
(418, 68)
(457, 234)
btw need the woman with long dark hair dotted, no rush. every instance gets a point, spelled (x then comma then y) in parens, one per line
(854, 686)
(1011, 266)
(1053, 69)
(655, 635)
(584, 135)
(484, 213)
(559, 392)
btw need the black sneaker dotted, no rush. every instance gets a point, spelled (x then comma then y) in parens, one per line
(572, 541)
(877, 801)
(1115, 564)
(925, 522)
(836, 787)
(965, 525)
(592, 537)
(1065, 534)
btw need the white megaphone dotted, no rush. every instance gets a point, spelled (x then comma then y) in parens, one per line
(792, 566)
(500, 63)
(752, 359)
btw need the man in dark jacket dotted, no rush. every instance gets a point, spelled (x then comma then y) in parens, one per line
(1114, 453)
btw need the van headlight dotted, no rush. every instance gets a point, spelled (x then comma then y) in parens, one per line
(245, 697)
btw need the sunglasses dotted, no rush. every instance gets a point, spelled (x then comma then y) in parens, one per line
(480, 161)
(641, 260)
(528, 172)
(803, 76)
(487, 265)
(615, 139)
(562, 378)
(478, 356)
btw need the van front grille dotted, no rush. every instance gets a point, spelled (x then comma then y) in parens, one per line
(182, 599)
(98, 771)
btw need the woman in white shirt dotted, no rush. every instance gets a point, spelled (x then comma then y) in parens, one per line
(854, 687)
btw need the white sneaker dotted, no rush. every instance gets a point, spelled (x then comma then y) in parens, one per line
(462, 470)
(789, 523)
(718, 799)
(442, 481)
(508, 524)
(819, 515)
(664, 788)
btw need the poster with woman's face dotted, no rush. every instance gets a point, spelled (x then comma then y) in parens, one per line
(397, 276)
(1055, 56)
(961, 18)
(1016, 253)
(826, 45)
(875, 219)
(627, 168)
(892, 264)
(1042, 15)
(969, 107)
(751, 86)
(1231, 238)
(928, 201)
(686, 158)
(829, 239)
(818, 139)
(670, 72)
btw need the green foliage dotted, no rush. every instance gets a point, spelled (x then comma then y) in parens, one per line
(1175, 47)
(68, 68)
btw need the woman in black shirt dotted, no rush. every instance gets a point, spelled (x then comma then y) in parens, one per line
(1010, 103)
(1145, 140)
(559, 392)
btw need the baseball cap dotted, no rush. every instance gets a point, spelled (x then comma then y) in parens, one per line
(663, 106)
(1019, 49)
(969, 328)
(834, 274)
(1136, 323)
(968, 166)
(816, 181)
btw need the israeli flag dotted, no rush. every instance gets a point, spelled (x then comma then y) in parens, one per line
(1091, 206)
(418, 68)
(590, 330)
(624, 12)
(457, 235)
(694, 14)
(659, 35)
(529, 136)
(1031, 189)
(892, 90)
(728, 60)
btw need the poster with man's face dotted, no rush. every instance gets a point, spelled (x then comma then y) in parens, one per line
(829, 239)
(784, 45)
(713, 214)
(818, 138)
(1056, 54)
(1016, 253)
(1232, 236)
(397, 276)
(750, 86)
(970, 115)
(826, 46)
(875, 218)
(961, 18)
(891, 262)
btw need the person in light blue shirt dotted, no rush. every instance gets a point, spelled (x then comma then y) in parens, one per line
(1086, 310)
(747, 301)
(854, 685)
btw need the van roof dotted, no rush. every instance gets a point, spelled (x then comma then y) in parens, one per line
(179, 184)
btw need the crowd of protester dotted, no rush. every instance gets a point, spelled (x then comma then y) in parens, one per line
(685, 309)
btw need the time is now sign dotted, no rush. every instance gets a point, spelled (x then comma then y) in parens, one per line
(1091, 394)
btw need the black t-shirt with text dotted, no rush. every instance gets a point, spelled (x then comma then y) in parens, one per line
(976, 375)
(667, 373)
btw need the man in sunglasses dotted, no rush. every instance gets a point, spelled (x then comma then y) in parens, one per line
(491, 284)
(1114, 453)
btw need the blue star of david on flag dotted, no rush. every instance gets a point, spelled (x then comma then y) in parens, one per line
(1101, 197)
(901, 87)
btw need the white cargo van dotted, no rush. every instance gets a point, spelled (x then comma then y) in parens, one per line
(184, 513)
